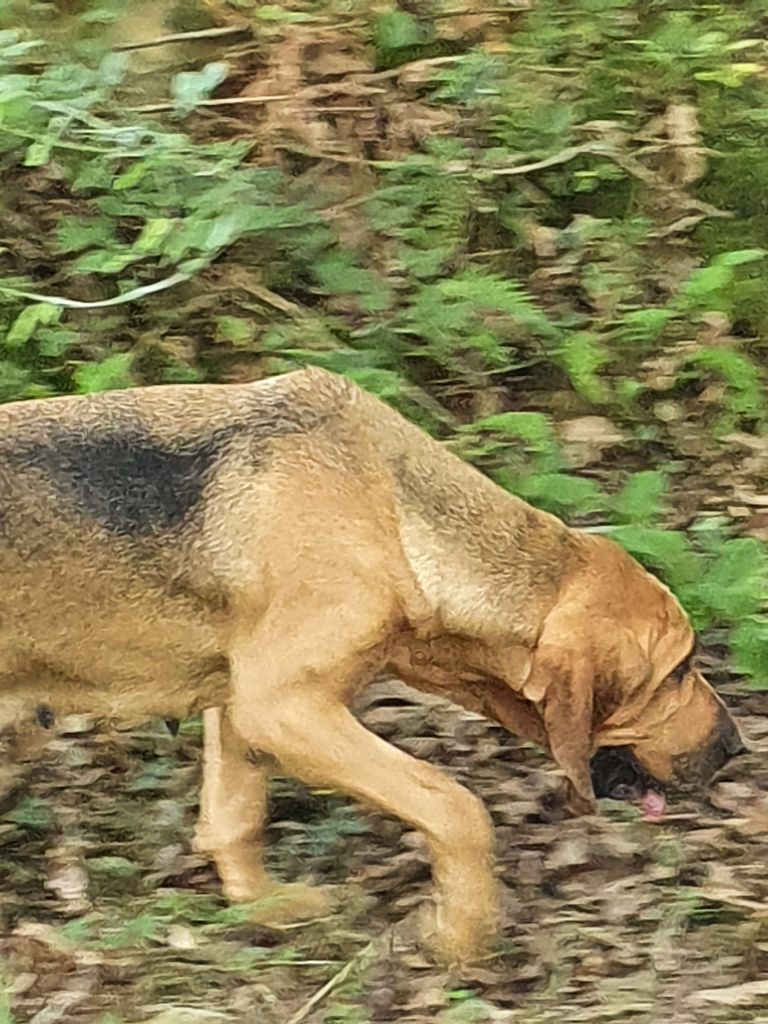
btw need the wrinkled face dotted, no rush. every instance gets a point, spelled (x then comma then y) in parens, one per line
(689, 734)
(680, 736)
(665, 724)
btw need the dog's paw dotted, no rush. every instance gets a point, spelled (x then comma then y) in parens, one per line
(457, 940)
(291, 903)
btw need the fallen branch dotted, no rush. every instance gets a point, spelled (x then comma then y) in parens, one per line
(414, 65)
(240, 279)
(338, 979)
(185, 37)
(231, 101)
(563, 157)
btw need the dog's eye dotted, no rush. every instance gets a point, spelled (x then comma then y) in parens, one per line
(678, 674)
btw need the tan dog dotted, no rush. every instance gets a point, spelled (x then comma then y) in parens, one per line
(260, 552)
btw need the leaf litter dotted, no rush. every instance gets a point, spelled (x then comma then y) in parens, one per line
(107, 910)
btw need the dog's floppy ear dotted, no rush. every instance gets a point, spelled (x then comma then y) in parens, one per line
(567, 714)
(561, 684)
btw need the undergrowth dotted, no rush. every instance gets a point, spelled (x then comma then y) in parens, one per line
(581, 234)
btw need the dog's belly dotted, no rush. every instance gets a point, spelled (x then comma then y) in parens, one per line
(109, 644)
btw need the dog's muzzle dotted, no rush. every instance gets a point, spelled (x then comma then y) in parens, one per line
(724, 743)
(618, 775)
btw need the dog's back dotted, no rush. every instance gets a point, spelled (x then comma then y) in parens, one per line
(126, 522)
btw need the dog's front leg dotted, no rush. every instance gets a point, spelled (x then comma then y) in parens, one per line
(288, 700)
(233, 808)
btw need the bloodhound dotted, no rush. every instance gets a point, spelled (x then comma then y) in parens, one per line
(260, 552)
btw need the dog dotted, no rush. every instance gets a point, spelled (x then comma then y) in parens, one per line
(260, 552)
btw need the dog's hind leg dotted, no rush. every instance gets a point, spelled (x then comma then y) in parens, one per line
(288, 699)
(233, 807)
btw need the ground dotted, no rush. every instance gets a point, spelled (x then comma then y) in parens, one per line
(108, 915)
(468, 211)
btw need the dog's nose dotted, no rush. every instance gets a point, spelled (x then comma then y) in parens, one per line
(621, 792)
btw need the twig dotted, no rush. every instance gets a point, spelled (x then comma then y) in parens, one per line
(562, 157)
(482, 253)
(230, 101)
(183, 37)
(117, 300)
(483, 13)
(341, 976)
(269, 298)
(685, 223)
(336, 158)
(343, 110)
(461, 167)
(414, 65)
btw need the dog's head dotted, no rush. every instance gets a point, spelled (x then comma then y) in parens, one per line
(616, 664)
(675, 725)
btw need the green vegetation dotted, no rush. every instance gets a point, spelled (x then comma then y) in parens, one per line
(500, 222)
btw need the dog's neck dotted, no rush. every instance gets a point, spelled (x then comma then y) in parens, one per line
(489, 565)
(470, 674)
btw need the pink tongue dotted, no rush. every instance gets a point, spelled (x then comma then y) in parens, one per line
(653, 806)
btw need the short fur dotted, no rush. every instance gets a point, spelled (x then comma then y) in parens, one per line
(261, 552)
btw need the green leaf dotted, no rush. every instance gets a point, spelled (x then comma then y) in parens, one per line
(114, 867)
(338, 275)
(384, 383)
(736, 583)
(135, 932)
(154, 232)
(561, 494)
(397, 29)
(493, 293)
(732, 76)
(112, 373)
(739, 257)
(134, 175)
(706, 284)
(12, 46)
(104, 261)
(236, 330)
(666, 550)
(32, 813)
(189, 87)
(532, 427)
(27, 322)
(705, 287)
(53, 342)
(77, 931)
(749, 644)
(642, 326)
(641, 500)
(15, 380)
(76, 233)
(583, 357)
(39, 153)
(468, 1009)
(745, 394)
